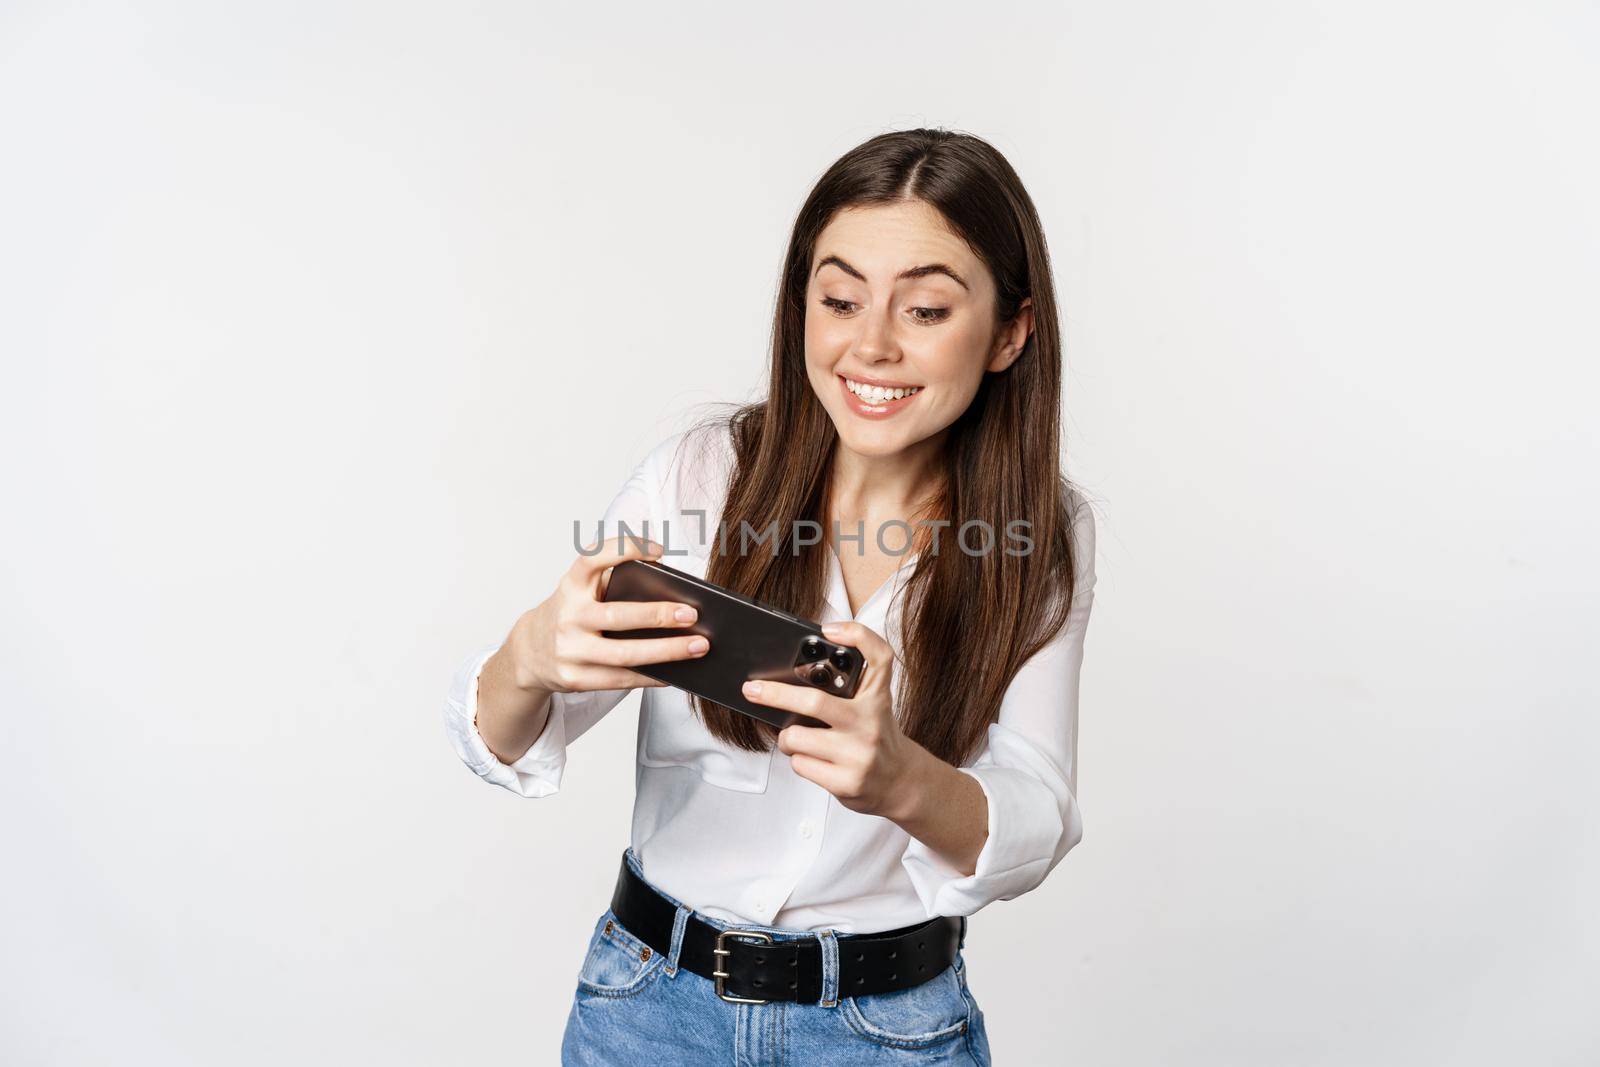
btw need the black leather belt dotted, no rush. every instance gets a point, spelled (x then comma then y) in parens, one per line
(756, 971)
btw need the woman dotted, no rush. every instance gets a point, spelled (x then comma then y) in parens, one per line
(906, 467)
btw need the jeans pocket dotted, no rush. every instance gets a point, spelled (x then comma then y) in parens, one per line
(927, 1014)
(618, 963)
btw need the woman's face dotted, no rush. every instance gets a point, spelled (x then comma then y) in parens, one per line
(897, 301)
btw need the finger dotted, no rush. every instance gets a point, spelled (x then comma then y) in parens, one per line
(801, 698)
(874, 649)
(858, 636)
(615, 550)
(815, 741)
(823, 773)
(634, 615)
(596, 678)
(641, 651)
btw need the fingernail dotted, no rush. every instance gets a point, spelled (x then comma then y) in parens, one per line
(684, 615)
(698, 644)
(830, 628)
(752, 689)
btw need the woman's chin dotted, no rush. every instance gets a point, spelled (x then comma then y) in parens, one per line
(872, 442)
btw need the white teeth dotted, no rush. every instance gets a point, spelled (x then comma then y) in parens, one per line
(877, 394)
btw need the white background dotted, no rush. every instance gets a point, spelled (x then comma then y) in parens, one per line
(321, 323)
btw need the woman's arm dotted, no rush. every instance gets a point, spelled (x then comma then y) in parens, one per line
(510, 717)
(946, 810)
(513, 708)
(1026, 771)
(558, 648)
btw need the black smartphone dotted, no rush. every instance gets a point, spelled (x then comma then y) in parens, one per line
(749, 640)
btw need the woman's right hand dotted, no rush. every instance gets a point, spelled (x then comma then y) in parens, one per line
(557, 648)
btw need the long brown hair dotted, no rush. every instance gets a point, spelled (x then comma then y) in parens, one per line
(969, 621)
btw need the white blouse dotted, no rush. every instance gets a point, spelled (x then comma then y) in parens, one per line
(740, 836)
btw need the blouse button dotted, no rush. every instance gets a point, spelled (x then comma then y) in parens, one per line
(805, 828)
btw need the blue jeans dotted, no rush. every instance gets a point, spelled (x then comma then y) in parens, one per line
(636, 1006)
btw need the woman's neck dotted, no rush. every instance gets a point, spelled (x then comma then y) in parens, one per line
(884, 488)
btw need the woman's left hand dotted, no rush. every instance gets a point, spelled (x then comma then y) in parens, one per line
(861, 757)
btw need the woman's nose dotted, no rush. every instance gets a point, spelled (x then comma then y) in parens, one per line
(877, 342)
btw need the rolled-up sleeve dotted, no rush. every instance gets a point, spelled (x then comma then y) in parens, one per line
(1027, 768)
(637, 508)
(537, 772)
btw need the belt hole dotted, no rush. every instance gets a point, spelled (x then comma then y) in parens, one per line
(891, 954)
(794, 961)
(761, 959)
(922, 966)
(860, 980)
(860, 957)
(892, 977)
(921, 944)
(792, 985)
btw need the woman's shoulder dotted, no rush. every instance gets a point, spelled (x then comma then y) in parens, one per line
(693, 468)
(1081, 515)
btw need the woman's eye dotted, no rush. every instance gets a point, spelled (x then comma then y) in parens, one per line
(927, 316)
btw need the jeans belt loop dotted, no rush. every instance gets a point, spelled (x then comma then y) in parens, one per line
(830, 968)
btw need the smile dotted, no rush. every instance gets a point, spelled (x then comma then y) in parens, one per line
(876, 402)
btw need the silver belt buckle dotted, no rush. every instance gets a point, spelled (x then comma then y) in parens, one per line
(722, 975)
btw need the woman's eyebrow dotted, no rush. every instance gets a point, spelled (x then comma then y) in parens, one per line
(914, 272)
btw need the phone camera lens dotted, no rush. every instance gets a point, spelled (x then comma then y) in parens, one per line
(812, 649)
(841, 658)
(819, 672)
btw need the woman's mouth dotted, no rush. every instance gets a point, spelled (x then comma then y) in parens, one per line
(875, 402)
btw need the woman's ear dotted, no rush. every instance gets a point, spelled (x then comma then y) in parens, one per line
(1012, 337)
